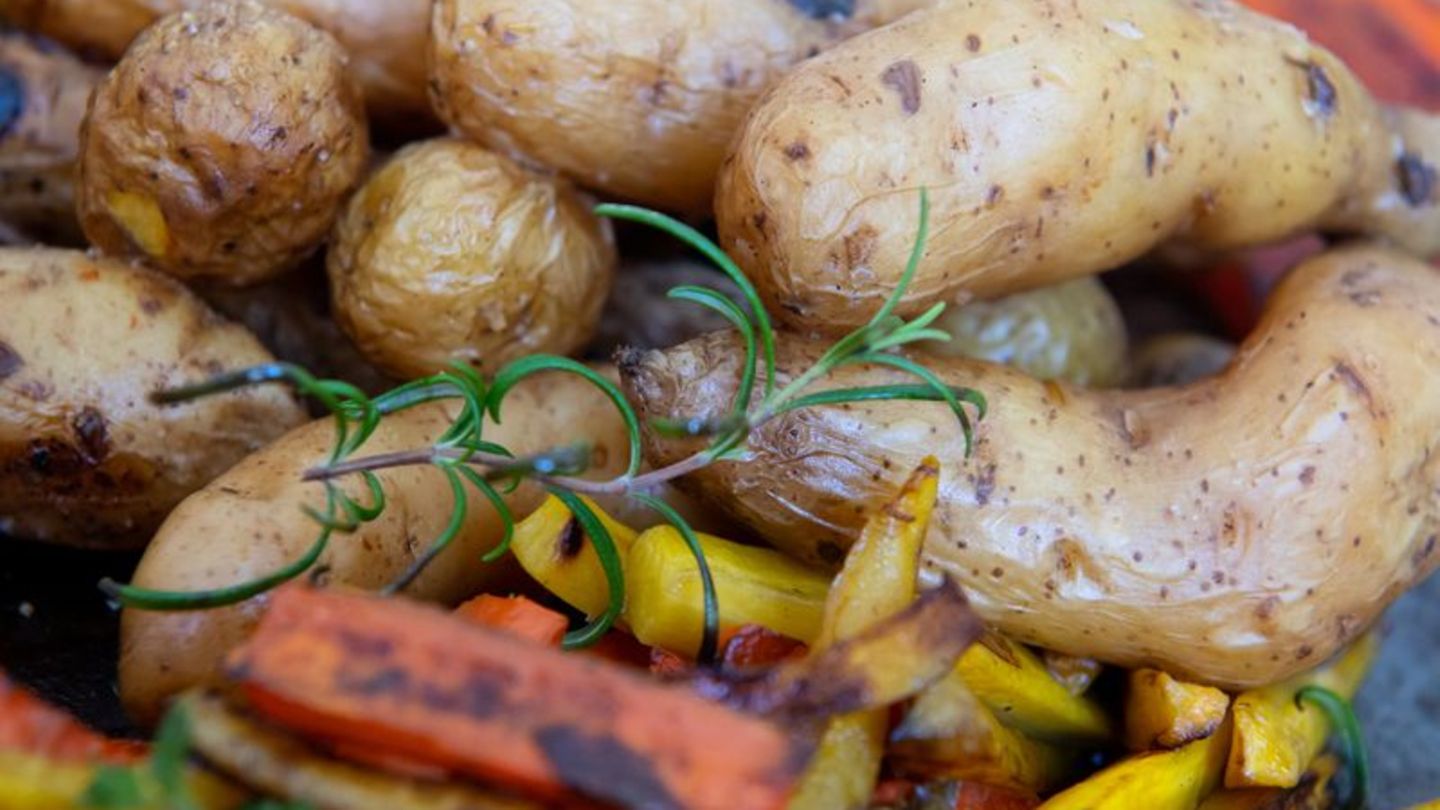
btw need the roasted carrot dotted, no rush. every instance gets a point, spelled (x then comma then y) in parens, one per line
(29, 725)
(755, 646)
(410, 680)
(517, 615)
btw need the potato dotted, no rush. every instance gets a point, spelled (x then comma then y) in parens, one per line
(1177, 358)
(1137, 527)
(1057, 140)
(249, 523)
(385, 38)
(85, 458)
(451, 252)
(637, 99)
(1071, 331)
(640, 315)
(43, 92)
(222, 145)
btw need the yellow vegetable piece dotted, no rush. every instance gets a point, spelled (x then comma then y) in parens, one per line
(949, 733)
(1161, 712)
(1015, 684)
(143, 221)
(1074, 673)
(665, 602)
(876, 582)
(1313, 792)
(1160, 780)
(552, 548)
(1274, 739)
(29, 782)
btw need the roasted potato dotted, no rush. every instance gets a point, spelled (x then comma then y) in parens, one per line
(1177, 358)
(1057, 141)
(1071, 331)
(637, 99)
(43, 92)
(640, 315)
(452, 252)
(85, 458)
(385, 38)
(1136, 527)
(223, 144)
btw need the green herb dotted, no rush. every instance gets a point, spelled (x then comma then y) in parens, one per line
(1347, 734)
(469, 461)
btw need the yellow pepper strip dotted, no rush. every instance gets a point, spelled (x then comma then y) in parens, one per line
(1275, 739)
(1162, 712)
(1014, 683)
(1159, 780)
(553, 549)
(665, 599)
(29, 782)
(1313, 792)
(949, 733)
(877, 581)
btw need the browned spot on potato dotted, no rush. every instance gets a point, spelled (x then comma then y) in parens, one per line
(985, 485)
(994, 195)
(1307, 475)
(1417, 179)
(1305, 651)
(10, 360)
(797, 151)
(904, 78)
(1322, 91)
(1423, 553)
(1266, 609)
(1356, 383)
(1150, 159)
(972, 43)
(1133, 429)
(93, 436)
(860, 246)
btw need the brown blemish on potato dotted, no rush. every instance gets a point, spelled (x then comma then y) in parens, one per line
(1266, 608)
(92, 435)
(985, 485)
(1307, 475)
(1322, 91)
(972, 43)
(10, 360)
(797, 151)
(904, 78)
(860, 246)
(1136, 434)
(1417, 179)
(1423, 553)
(1357, 384)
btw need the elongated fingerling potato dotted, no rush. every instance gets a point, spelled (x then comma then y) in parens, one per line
(385, 38)
(1057, 141)
(85, 458)
(1139, 527)
(222, 145)
(637, 99)
(44, 91)
(451, 252)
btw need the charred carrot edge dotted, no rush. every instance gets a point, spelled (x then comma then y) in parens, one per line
(409, 680)
(32, 726)
(517, 615)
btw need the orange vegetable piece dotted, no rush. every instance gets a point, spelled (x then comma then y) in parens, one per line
(30, 725)
(517, 615)
(755, 646)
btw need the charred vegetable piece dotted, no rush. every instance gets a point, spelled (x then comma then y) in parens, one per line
(552, 547)
(1168, 780)
(1162, 712)
(517, 615)
(402, 678)
(1315, 792)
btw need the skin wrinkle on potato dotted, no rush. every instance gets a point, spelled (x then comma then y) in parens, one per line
(85, 459)
(451, 252)
(1137, 527)
(223, 144)
(1057, 140)
(637, 99)
(385, 38)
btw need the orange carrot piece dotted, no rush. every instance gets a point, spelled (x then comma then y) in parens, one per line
(409, 680)
(621, 648)
(517, 615)
(667, 664)
(980, 796)
(32, 726)
(756, 646)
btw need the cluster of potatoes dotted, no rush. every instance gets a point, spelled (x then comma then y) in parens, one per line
(234, 141)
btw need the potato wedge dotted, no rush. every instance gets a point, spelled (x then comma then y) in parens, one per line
(1161, 712)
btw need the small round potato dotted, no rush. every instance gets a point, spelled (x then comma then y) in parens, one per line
(223, 144)
(85, 458)
(451, 252)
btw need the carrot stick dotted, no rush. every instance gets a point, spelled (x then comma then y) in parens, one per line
(409, 680)
(517, 615)
(32, 726)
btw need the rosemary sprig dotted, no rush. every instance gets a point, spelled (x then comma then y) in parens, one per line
(465, 457)
(1351, 741)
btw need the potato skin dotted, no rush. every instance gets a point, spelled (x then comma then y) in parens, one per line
(452, 252)
(1140, 527)
(85, 459)
(1057, 140)
(222, 145)
(385, 38)
(44, 90)
(1071, 331)
(637, 99)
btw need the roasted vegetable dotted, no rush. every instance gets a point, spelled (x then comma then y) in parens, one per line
(1161, 712)
(30, 726)
(552, 547)
(222, 145)
(1138, 528)
(400, 678)
(1276, 736)
(1075, 673)
(1178, 358)
(453, 253)
(1070, 331)
(1166, 780)
(1014, 683)
(517, 615)
(1314, 792)
(85, 458)
(1060, 141)
(44, 90)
